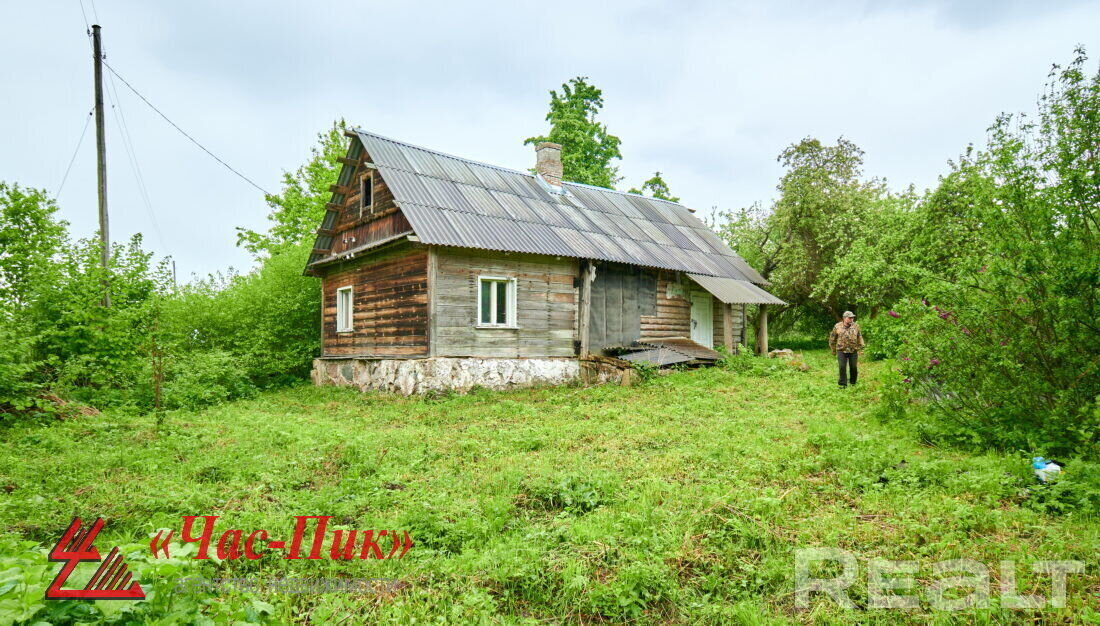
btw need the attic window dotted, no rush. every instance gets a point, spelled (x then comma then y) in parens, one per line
(366, 194)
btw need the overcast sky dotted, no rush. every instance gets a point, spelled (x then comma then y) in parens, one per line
(706, 92)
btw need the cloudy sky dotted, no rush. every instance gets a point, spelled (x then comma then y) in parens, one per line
(706, 92)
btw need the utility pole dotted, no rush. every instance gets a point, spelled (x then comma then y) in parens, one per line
(101, 159)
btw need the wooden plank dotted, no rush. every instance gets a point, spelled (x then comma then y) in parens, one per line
(597, 329)
(727, 327)
(632, 321)
(432, 261)
(585, 311)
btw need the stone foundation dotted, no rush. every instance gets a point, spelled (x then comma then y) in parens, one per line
(413, 376)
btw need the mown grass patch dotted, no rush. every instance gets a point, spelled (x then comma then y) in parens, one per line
(681, 500)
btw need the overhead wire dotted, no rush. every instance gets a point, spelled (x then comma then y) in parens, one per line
(183, 132)
(131, 153)
(79, 142)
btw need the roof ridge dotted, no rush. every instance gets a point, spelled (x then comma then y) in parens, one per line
(441, 153)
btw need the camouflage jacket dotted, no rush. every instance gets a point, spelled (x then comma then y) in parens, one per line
(848, 339)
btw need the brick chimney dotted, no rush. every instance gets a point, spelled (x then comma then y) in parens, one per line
(548, 162)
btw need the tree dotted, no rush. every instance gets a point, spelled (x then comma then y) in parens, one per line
(587, 149)
(822, 209)
(298, 210)
(752, 233)
(31, 237)
(1001, 329)
(657, 188)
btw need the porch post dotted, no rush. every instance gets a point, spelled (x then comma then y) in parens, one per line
(762, 331)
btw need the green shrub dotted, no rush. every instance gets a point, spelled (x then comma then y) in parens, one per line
(636, 588)
(1001, 342)
(19, 389)
(885, 336)
(204, 378)
(1076, 489)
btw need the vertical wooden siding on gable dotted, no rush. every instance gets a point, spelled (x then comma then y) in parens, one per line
(390, 292)
(546, 311)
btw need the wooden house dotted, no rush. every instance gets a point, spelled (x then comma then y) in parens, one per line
(440, 272)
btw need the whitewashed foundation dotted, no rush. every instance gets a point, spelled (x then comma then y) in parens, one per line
(413, 376)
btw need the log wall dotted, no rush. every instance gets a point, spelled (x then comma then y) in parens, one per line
(390, 293)
(673, 315)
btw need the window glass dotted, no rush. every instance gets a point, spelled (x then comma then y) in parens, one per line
(486, 301)
(366, 192)
(502, 303)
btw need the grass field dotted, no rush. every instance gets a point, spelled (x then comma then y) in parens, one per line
(681, 500)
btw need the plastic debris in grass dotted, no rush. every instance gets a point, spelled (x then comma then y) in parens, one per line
(1044, 469)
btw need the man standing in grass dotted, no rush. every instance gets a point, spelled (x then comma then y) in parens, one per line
(846, 342)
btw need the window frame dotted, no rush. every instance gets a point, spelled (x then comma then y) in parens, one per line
(510, 307)
(366, 191)
(350, 327)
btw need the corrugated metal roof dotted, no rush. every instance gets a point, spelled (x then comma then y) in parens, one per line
(733, 291)
(656, 356)
(682, 345)
(453, 201)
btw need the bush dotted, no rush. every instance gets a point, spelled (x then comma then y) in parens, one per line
(203, 378)
(885, 336)
(268, 319)
(18, 388)
(1001, 344)
(25, 573)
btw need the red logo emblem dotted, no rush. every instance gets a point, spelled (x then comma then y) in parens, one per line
(112, 581)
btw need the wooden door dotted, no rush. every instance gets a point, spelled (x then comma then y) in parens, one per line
(702, 318)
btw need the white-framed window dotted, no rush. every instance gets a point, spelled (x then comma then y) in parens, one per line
(366, 194)
(496, 302)
(345, 310)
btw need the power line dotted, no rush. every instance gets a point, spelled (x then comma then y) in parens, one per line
(95, 12)
(79, 143)
(183, 132)
(131, 153)
(85, 15)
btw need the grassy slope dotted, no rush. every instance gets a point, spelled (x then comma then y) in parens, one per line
(680, 500)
